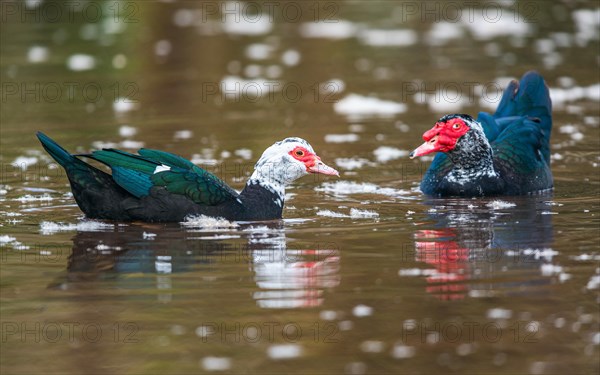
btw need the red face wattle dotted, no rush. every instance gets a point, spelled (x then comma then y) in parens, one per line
(312, 162)
(442, 137)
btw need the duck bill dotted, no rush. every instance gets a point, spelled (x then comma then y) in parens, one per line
(426, 148)
(322, 168)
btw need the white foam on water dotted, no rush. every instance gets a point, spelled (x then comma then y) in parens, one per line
(358, 106)
(216, 363)
(388, 38)
(49, 227)
(329, 213)
(24, 162)
(34, 198)
(284, 351)
(362, 214)
(350, 187)
(499, 313)
(127, 131)
(81, 62)
(7, 239)
(341, 138)
(383, 154)
(207, 222)
(352, 163)
(341, 29)
(361, 311)
(499, 204)
(37, 54)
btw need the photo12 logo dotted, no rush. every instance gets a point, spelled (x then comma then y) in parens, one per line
(39, 11)
(60, 332)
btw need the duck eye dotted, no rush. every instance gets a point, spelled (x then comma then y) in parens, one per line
(299, 153)
(456, 126)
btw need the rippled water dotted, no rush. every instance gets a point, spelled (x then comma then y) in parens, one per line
(364, 274)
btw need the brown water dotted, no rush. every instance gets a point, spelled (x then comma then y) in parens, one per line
(364, 274)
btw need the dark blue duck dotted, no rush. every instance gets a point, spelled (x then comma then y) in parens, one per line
(157, 186)
(507, 153)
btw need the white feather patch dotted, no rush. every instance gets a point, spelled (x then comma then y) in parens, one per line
(162, 168)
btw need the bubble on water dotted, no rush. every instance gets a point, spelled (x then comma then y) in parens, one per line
(401, 351)
(37, 54)
(119, 61)
(284, 351)
(499, 313)
(372, 346)
(127, 131)
(81, 62)
(291, 57)
(362, 311)
(204, 331)
(216, 363)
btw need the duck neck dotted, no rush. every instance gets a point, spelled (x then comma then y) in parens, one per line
(473, 155)
(268, 189)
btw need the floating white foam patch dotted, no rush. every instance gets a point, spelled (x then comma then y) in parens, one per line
(372, 346)
(443, 32)
(207, 222)
(499, 313)
(403, 351)
(499, 204)
(127, 131)
(352, 163)
(183, 134)
(362, 311)
(329, 213)
(594, 282)
(341, 138)
(358, 106)
(388, 38)
(34, 198)
(123, 105)
(362, 214)
(103, 144)
(24, 162)
(550, 269)
(7, 239)
(81, 62)
(291, 57)
(148, 236)
(341, 29)
(244, 153)
(587, 22)
(350, 187)
(37, 54)
(384, 154)
(245, 24)
(216, 363)
(259, 51)
(284, 351)
(416, 272)
(561, 96)
(128, 143)
(49, 227)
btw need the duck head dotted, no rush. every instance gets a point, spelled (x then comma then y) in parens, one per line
(447, 133)
(288, 160)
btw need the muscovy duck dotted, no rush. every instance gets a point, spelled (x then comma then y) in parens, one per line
(157, 186)
(507, 153)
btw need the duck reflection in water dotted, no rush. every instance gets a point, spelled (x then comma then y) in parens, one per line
(287, 275)
(474, 247)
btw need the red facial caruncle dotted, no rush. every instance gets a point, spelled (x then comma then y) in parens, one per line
(312, 162)
(442, 137)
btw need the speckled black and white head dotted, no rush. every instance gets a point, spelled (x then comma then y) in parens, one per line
(463, 139)
(286, 161)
